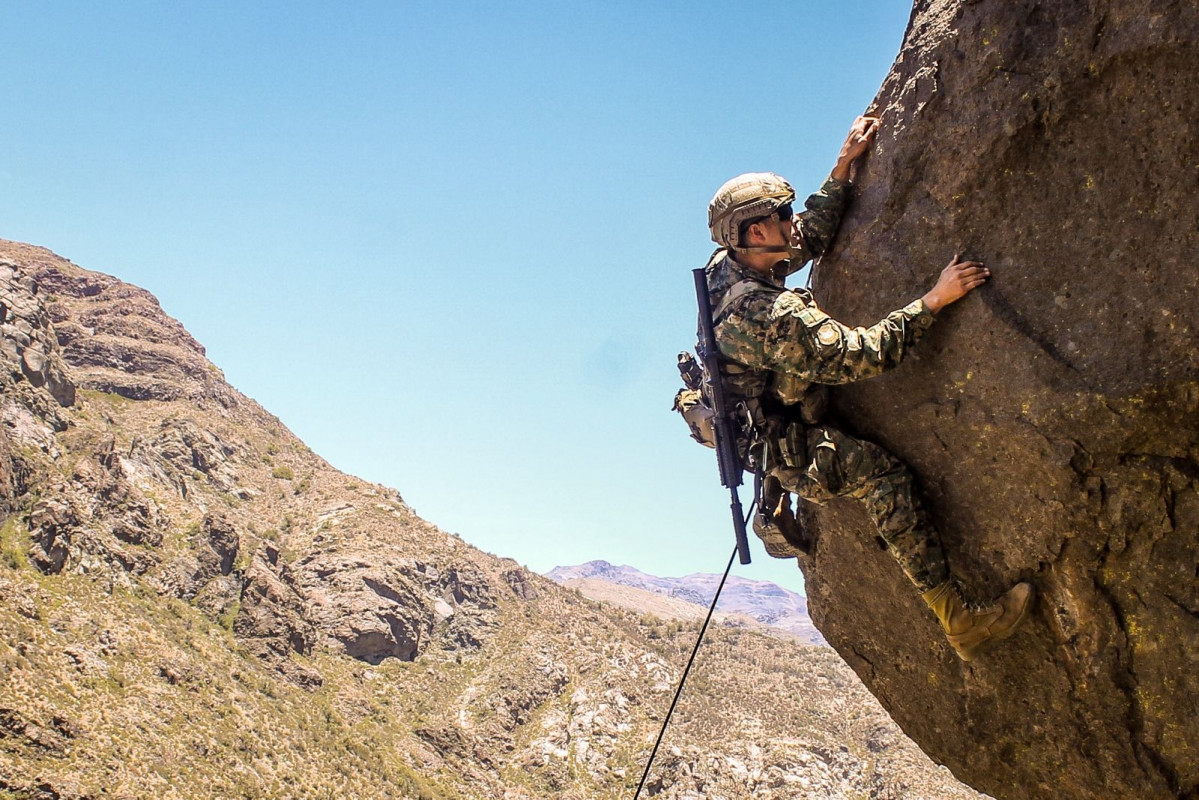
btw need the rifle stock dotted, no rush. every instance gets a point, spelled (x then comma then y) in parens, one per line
(723, 422)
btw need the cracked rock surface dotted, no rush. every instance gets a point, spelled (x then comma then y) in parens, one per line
(1051, 415)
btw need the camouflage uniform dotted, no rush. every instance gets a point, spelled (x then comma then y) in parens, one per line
(781, 350)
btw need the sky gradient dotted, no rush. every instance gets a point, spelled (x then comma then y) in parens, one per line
(450, 247)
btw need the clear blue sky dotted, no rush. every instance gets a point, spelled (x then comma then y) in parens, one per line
(449, 245)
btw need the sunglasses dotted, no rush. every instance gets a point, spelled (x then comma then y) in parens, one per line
(783, 213)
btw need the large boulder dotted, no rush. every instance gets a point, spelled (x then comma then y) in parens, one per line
(1051, 415)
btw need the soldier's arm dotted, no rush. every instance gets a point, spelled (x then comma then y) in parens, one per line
(788, 333)
(804, 341)
(819, 221)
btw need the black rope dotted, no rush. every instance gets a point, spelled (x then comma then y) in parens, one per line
(687, 669)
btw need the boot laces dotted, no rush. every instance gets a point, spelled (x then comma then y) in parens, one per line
(971, 604)
(978, 607)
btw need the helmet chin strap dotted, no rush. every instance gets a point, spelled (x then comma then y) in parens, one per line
(786, 254)
(770, 248)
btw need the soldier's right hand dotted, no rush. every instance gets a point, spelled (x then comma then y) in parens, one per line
(956, 281)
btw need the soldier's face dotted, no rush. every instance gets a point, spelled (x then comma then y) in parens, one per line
(788, 227)
(777, 232)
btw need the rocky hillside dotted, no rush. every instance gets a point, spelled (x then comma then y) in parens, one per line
(195, 605)
(743, 601)
(1052, 414)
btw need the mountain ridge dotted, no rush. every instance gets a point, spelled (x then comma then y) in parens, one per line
(762, 601)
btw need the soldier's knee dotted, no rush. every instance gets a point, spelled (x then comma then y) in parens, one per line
(826, 469)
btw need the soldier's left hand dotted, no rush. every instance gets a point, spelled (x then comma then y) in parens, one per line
(859, 138)
(856, 143)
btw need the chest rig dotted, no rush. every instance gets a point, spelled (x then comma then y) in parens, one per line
(777, 405)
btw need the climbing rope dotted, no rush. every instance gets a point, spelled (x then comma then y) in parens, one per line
(687, 669)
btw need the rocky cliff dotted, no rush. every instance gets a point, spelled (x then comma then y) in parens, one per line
(195, 605)
(1052, 414)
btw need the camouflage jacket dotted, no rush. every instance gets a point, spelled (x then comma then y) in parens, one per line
(778, 344)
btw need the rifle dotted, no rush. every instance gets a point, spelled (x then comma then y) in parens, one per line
(723, 423)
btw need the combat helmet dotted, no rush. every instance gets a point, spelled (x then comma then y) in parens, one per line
(747, 197)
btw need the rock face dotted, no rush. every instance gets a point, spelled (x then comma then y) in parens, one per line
(29, 344)
(1051, 415)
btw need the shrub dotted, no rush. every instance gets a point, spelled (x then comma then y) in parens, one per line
(14, 544)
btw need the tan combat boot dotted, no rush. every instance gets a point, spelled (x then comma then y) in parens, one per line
(969, 628)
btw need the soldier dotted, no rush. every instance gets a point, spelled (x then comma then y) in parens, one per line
(779, 352)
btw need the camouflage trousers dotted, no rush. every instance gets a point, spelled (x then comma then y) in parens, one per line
(841, 466)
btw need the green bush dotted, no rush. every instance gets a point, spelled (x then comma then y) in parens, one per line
(14, 544)
(283, 472)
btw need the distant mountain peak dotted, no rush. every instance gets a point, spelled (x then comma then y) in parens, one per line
(764, 601)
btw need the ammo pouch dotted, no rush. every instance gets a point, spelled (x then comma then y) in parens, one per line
(789, 446)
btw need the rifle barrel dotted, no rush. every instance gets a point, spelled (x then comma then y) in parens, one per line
(739, 528)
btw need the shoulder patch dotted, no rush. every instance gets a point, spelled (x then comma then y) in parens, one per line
(827, 333)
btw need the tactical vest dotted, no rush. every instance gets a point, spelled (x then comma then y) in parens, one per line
(771, 401)
(778, 392)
